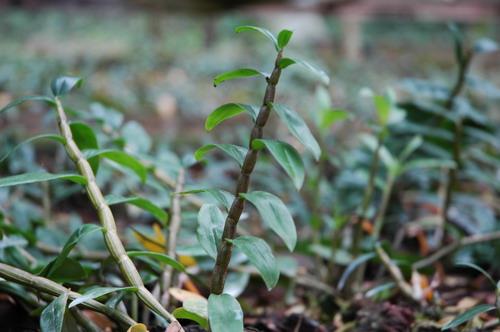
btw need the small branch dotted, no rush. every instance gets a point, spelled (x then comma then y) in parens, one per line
(175, 224)
(50, 287)
(466, 241)
(395, 273)
(234, 214)
(110, 233)
(87, 324)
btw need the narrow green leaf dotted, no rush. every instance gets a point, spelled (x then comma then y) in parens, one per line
(383, 108)
(223, 197)
(261, 256)
(411, 147)
(264, 32)
(21, 100)
(119, 157)
(52, 137)
(140, 202)
(284, 37)
(27, 178)
(428, 163)
(97, 292)
(298, 128)
(319, 73)
(275, 214)
(332, 116)
(480, 270)
(70, 270)
(85, 139)
(224, 314)
(52, 317)
(286, 156)
(352, 267)
(62, 85)
(237, 73)
(468, 315)
(286, 62)
(236, 152)
(382, 288)
(228, 111)
(196, 305)
(73, 240)
(159, 257)
(210, 227)
(458, 41)
(181, 313)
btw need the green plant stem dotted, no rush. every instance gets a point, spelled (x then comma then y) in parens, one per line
(457, 139)
(379, 221)
(173, 230)
(111, 238)
(87, 324)
(230, 225)
(50, 287)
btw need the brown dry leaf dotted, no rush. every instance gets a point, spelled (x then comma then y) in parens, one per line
(182, 295)
(99, 319)
(138, 328)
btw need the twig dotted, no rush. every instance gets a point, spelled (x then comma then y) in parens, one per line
(111, 238)
(175, 223)
(231, 222)
(395, 273)
(466, 241)
(50, 287)
(81, 319)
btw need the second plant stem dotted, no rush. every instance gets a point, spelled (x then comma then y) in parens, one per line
(230, 225)
(111, 238)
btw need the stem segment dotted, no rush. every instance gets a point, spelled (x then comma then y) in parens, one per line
(50, 287)
(224, 253)
(111, 238)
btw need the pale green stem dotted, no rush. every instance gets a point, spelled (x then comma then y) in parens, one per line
(111, 238)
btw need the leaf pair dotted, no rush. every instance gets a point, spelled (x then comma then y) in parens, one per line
(279, 43)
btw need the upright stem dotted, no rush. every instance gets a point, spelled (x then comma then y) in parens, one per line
(224, 253)
(457, 138)
(111, 238)
(175, 224)
(379, 222)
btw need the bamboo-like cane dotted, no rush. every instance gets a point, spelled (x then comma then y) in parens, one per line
(111, 238)
(230, 225)
(50, 287)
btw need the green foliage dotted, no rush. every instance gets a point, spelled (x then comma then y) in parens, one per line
(238, 73)
(234, 151)
(28, 178)
(159, 257)
(468, 315)
(52, 317)
(97, 292)
(224, 313)
(140, 202)
(228, 111)
(63, 85)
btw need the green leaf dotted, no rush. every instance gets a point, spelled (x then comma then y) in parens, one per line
(119, 157)
(411, 147)
(62, 85)
(52, 317)
(181, 313)
(210, 227)
(261, 256)
(21, 100)
(224, 314)
(236, 152)
(85, 139)
(223, 197)
(265, 32)
(287, 157)
(140, 202)
(70, 270)
(298, 128)
(286, 62)
(28, 178)
(52, 137)
(428, 163)
(97, 292)
(275, 214)
(468, 315)
(458, 41)
(480, 270)
(383, 108)
(485, 45)
(228, 111)
(352, 267)
(320, 73)
(237, 73)
(68, 246)
(332, 116)
(284, 37)
(159, 257)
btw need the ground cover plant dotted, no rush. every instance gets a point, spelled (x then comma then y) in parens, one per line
(112, 230)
